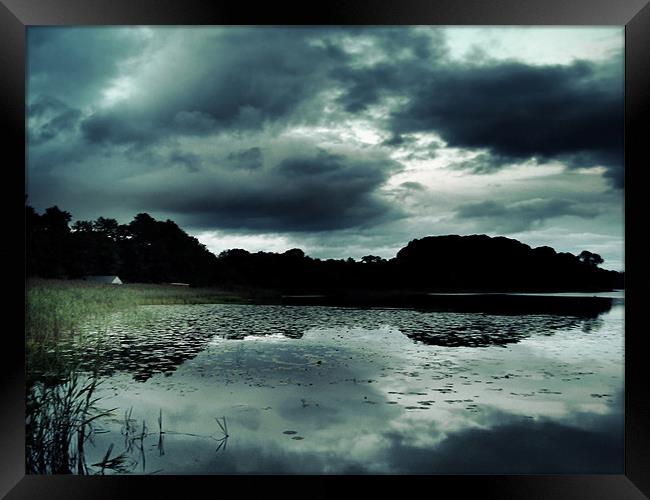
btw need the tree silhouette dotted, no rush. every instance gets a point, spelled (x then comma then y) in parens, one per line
(48, 250)
(108, 227)
(56, 220)
(589, 258)
(371, 259)
(82, 226)
(150, 251)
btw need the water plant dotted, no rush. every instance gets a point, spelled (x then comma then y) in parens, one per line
(59, 421)
(62, 405)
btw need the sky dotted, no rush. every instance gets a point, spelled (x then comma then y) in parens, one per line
(341, 141)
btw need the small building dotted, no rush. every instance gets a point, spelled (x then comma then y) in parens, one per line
(108, 280)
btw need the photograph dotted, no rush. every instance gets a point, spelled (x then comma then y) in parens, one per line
(324, 250)
(318, 249)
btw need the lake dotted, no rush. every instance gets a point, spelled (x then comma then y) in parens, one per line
(310, 389)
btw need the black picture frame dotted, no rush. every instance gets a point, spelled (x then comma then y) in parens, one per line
(16, 15)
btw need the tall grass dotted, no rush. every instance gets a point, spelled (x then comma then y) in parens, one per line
(56, 307)
(59, 422)
(61, 405)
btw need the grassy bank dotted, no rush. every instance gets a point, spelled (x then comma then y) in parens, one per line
(56, 309)
(53, 308)
(60, 402)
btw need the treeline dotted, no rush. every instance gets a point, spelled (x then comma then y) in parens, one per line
(435, 263)
(143, 251)
(151, 251)
(483, 262)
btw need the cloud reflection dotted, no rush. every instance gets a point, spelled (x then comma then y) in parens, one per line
(504, 443)
(167, 336)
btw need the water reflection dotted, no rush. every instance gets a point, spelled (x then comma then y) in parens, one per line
(360, 400)
(358, 391)
(509, 444)
(482, 330)
(496, 443)
(164, 337)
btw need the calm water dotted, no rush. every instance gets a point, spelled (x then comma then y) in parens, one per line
(325, 390)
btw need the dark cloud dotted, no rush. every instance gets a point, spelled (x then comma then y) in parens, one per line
(425, 45)
(484, 163)
(616, 177)
(120, 129)
(193, 123)
(323, 191)
(115, 113)
(45, 105)
(75, 63)
(524, 215)
(49, 117)
(229, 80)
(364, 86)
(517, 112)
(407, 56)
(243, 79)
(248, 158)
(191, 161)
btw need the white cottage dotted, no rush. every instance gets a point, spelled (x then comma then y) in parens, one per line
(109, 280)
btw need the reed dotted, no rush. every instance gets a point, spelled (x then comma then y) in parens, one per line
(55, 310)
(59, 421)
(61, 402)
(55, 307)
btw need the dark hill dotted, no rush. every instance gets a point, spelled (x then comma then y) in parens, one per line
(151, 251)
(480, 262)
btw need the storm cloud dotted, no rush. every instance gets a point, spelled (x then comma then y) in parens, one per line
(49, 118)
(315, 192)
(523, 215)
(75, 64)
(572, 113)
(335, 137)
(219, 81)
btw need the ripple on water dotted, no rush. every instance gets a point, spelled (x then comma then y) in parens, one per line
(269, 364)
(167, 336)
